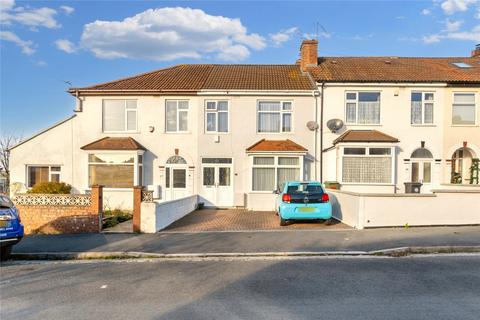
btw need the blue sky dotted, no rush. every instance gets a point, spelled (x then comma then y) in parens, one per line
(43, 44)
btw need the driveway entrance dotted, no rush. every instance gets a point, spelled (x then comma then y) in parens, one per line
(241, 220)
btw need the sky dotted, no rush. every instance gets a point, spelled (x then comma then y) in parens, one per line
(48, 46)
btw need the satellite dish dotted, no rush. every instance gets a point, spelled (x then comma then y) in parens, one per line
(312, 125)
(334, 125)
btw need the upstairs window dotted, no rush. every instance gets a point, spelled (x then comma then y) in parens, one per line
(362, 108)
(463, 109)
(216, 116)
(39, 174)
(422, 108)
(119, 115)
(176, 112)
(274, 116)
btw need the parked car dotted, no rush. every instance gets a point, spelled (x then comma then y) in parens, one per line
(11, 229)
(303, 201)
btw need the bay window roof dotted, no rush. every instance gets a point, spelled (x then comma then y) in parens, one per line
(116, 143)
(276, 146)
(364, 136)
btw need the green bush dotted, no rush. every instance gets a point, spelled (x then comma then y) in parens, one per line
(51, 188)
(114, 217)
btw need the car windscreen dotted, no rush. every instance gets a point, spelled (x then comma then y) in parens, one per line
(5, 202)
(305, 188)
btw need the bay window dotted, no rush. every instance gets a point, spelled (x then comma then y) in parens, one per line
(274, 116)
(422, 108)
(216, 116)
(464, 109)
(176, 116)
(115, 170)
(369, 165)
(271, 172)
(119, 115)
(39, 174)
(362, 108)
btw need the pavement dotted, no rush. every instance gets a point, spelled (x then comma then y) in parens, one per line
(417, 287)
(256, 242)
(123, 227)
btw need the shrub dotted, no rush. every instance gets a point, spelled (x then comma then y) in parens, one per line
(51, 188)
(114, 217)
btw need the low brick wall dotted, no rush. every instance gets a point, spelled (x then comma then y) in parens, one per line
(52, 213)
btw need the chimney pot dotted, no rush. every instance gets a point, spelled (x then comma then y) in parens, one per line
(308, 54)
(476, 51)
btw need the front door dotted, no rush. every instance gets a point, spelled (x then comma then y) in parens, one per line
(175, 182)
(217, 186)
(422, 171)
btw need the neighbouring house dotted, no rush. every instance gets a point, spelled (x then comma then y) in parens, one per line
(404, 119)
(234, 133)
(229, 133)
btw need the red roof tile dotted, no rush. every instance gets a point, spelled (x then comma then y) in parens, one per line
(364, 136)
(108, 143)
(196, 77)
(395, 69)
(276, 146)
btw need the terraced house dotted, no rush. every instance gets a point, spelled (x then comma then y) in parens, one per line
(233, 133)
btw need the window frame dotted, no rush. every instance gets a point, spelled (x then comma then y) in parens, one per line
(50, 172)
(138, 172)
(424, 102)
(275, 166)
(368, 155)
(125, 123)
(216, 112)
(357, 93)
(281, 112)
(475, 105)
(177, 127)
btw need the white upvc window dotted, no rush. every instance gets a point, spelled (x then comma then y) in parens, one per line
(367, 165)
(115, 170)
(464, 109)
(274, 116)
(422, 106)
(269, 173)
(119, 116)
(176, 115)
(216, 116)
(362, 107)
(39, 173)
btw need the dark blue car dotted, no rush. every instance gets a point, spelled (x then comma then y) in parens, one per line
(11, 230)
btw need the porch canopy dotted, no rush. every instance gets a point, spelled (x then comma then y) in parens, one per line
(275, 146)
(118, 143)
(364, 136)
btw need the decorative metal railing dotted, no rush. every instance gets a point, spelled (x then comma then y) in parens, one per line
(52, 200)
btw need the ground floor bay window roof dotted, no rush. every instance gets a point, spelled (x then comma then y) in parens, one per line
(118, 143)
(276, 146)
(364, 136)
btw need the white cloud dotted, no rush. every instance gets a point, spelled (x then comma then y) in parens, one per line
(472, 35)
(323, 34)
(433, 38)
(31, 17)
(451, 26)
(453, 6)
(25, 45)
(477, 14)
(426, 12)
(283, 36)
(67, 10)
(170, 33)
(65, 45)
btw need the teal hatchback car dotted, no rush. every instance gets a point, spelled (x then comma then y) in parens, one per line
(303, 201)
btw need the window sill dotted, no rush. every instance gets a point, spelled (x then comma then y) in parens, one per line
(364, 125)
(423, 125)
(121, 132)
(276, 133)
(177, 132)
(464, 125)
(210, 133)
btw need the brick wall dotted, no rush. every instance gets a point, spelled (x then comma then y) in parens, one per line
(52, 214)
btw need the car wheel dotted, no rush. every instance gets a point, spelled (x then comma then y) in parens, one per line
(5, 253)
(283, 222)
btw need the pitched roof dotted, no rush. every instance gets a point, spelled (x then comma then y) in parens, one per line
(395, 69)
(364, 136)
(118, 143)
(196, 77)
(276, 146)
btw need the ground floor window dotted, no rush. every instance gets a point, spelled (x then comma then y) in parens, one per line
(115, 170)
(271, 172)
(368, 165)
(39, 174)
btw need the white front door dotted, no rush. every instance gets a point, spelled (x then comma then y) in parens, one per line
(175, 182)
(422, 171)
(217, 182)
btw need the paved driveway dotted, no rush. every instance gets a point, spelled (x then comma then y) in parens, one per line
(239, 220)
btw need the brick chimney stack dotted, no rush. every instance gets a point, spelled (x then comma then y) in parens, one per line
(308, 54)
(476, 51)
